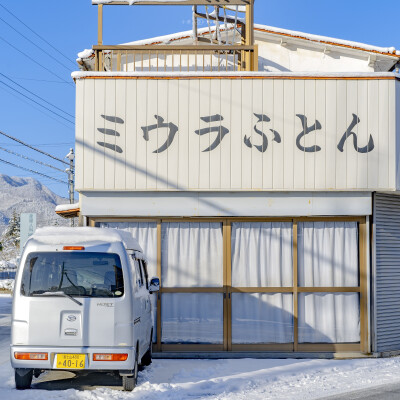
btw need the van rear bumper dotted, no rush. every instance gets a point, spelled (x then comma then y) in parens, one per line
(52, 352)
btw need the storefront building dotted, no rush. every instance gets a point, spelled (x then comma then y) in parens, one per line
(266, 201)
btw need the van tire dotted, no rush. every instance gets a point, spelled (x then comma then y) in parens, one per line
(146, 359)
(129, 382)
(23, 378)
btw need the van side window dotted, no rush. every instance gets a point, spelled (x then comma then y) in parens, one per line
(145, 274)
(139, 275)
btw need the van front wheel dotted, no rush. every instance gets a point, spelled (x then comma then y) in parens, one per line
(23, 378)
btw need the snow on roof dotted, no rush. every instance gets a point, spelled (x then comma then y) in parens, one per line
(327, 40)
(80, 235)
(250, 74)
(131, 2)
(165, 39)
(67, 207)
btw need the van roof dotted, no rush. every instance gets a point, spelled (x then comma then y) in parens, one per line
(80, 235)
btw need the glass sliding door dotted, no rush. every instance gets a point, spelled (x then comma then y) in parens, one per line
(257, 285)
(146, 234)
(262, 280)
(192, 302)
(329, 283)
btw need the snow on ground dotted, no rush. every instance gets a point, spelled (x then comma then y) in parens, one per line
(219, 379)
(8, 264)
(6, 284)
(233, 380)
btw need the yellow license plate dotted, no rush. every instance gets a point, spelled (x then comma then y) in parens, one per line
(71, 361)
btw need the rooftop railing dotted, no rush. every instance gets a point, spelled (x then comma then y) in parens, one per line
(161, 58)
(205, 54)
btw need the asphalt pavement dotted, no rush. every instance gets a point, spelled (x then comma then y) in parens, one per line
(383, 392)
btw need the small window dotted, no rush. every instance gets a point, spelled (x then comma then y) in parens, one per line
(139, 275)
(144, 273)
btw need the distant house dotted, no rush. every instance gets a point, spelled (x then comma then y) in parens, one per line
(259, 169)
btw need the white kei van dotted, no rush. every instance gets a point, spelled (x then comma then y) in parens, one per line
(81, 303)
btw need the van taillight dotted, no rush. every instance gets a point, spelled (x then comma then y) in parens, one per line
(109, 357)
(73, 248)
(31, 356)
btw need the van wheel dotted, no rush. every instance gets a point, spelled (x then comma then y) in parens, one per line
(146, 359)
(23, 378)
(129, 382)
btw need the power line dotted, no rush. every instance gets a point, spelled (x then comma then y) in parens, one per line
(41, 98)
(40, 37)
(39, 80)
(34, 101)
(31, 170)
(36, 108)
(42, 144)
(30, 41)
(40, 105)
(30, 159)
(33, 60)
(33, 148)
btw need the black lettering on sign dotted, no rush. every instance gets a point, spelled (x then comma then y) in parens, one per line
(306, 130)
(173, 129)
(366, 149)
(222, 131)
(264, 146)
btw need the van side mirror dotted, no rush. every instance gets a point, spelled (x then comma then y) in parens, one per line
(154, 285)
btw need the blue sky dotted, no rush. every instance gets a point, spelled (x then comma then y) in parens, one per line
(71, 26)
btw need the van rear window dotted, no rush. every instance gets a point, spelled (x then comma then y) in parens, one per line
(82, 274)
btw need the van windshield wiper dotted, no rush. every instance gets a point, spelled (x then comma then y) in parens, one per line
(59, 294)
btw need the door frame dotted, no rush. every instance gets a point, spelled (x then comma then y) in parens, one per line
(227, 288)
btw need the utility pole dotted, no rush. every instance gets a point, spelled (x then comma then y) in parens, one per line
(71, 178)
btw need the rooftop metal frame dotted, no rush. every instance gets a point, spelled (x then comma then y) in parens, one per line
(248, 51)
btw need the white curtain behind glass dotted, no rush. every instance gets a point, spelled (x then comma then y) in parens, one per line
(329, 318)
(192, 318)
(146, 234)
(262, 254)
(262, 318)
(328, 254)
(192, 254)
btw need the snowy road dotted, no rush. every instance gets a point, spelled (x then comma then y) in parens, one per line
(5, 321)
(214, 379)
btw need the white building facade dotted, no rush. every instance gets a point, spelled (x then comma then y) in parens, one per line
(265, 201)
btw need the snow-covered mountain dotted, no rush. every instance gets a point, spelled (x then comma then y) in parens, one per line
(28, 195)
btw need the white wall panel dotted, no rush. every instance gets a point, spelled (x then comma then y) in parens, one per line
(100, 155)
(80, 130)
(222, 133)
(224, 204)
(321, 138)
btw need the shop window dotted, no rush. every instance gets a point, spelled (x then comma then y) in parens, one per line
(262, 254)
(146, 234)
(189, 318)
(192, 254)
(329, 318)
(262, 318)
(328, 254)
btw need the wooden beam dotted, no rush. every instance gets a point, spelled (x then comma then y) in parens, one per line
(179, 3)
(364, 286)
(160, 47)
(192, 290)
(100, 24)
(159, 272)
(295, 291)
